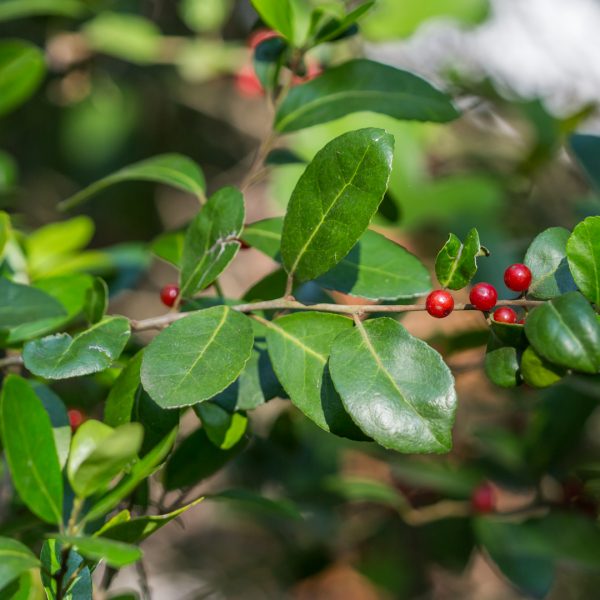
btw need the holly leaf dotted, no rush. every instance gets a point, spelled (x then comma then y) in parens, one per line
(363, 85)
(123, 393)
(456, 263)
(396, 388)
(334, 201)
(299, 347)
(547, 260)
(175, 170)
(62, 356)
(566, 332)
(211, 346)
(211, 241)
(30, 450)
(583, 254)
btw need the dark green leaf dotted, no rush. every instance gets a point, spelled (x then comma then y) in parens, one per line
(502, 366)
(15, 559)
(224, 429)
(197, 357)
(565, 331)
(61, 356)
(334, 201)
(21, 72)
(59, 419)
(157, 421)
(99, 453)
(115, 554)
(268, 60)
(537, 371)
(299, 347)
(30, 449)
(122, 396)
(354, 489)
(277, 14)
(334, 28)
(211, 240)
(395, 387)
(170, 169)
(583, 254)
(456, 263)
(363, 85)
(19, 9)
(587, 152)
(96, 301)
(77, 580)
(547, 259)
(250, 500)
(283, 156)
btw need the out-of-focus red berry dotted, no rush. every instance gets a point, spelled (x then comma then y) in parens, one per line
(517, 277)
(505, 315)
(259, 36)
(247, 83)
(483, 296)
(169, 294)
(439, 304)
(483, 498)
(76, 418)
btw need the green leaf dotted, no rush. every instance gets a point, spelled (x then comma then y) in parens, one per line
(210, 346)
(363, 85)
(334, 201)
(183, 469)
(223, 429)
(211, 240)
(135, 531)
(96, 301)
(59, 419)
(22, 69)
(547, 260)
(396, 388)
(5, 227)
(278, 15)
(30, 449)
(61, 356)
(250, 500)
(269, 56)
(586, 149)
(583, 254)
(99, 453)
(157, 421)
(123, 394)
(169, 247)
(299, 347)
(174, 170)
(265, 236)
(537, 371)
(19, 9)
(565, 332)
(15, 559)
(447, 478)
(140, 471)
(502, 366)
(20, 304)
(334, 28)
(354, 489)
(115, 554)
(456, 263)
(78, 588)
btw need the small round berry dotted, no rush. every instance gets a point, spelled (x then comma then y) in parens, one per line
(259, 36)
(169, 294)
(483, 296)
(439, 304)
(505, 315)
(517, 278)
(483, 498)
(76, 418)
(521, 321)
(247, 83)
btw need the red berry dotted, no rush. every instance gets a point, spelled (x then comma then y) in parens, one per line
(261, 35)
(505, 315)
(169, 294)
(439, 304)
(76, 418)
(517, 278)
(521, 321)
(483, 296)
(247, 83)
(483, 498)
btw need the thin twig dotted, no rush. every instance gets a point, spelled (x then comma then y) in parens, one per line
(11, 361)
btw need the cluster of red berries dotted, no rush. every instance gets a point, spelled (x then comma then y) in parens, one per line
(483, 296)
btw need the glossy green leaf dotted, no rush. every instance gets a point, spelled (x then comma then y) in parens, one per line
(62, 356)
(583, 254)
(5, 227)
(19, 9)
(15, 559)
(277, 14)
(363, 85)
(169, 247)
(586, 149)
(30, 449)
(135, 531)
(211, 240)
(197, 357)
(269, 57)
(156, 421)
(174, 170)
(77, 580)
(123, 393)
(538, 372)
(26, 587)
(59, 419)
(224, 429)
(115, 554)
(565, 332)
(22, 69)
(396, 388)
(139, 472)
(99, 453)
(502, 366)
(183, 469)
(547, 259)
(456, 262)
(333, 28)
(96, 301)
(334, 201)
(299, 347)
(20, 304)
